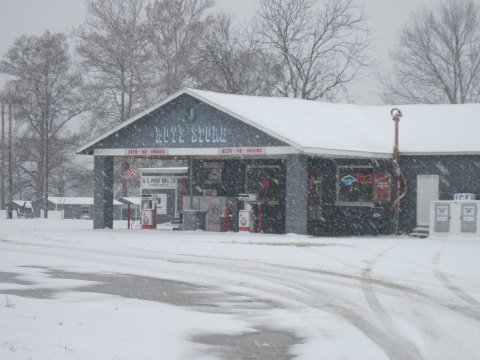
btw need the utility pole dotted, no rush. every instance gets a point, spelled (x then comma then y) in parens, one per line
(10, 165)
(396, 115)
(2, 173)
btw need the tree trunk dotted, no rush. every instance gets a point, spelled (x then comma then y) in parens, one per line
(122, 119)
(45, 155)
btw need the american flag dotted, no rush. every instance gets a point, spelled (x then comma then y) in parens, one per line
(129, 172)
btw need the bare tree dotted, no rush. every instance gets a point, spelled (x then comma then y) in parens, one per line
(74, 177)
(232, 63)
(175, 30)
(437, 59)
(45, 91)
(112, 45)
(321, 46)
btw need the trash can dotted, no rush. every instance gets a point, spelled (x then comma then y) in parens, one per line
(226, 223)
(194, 219)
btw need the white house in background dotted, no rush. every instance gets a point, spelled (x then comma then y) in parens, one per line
(73, 207)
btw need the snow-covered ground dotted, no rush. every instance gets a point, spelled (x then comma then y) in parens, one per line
(70, 292)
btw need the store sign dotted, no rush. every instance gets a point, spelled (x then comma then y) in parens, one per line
(364, 178)
(382, 187)
(469, 213)
(441, 213)
(355, 184)
(377, 212)
(191, 134)
(242, 151)
(161, 203)
(146, 151)
(348, 180)
(464, 196)
(159, 182)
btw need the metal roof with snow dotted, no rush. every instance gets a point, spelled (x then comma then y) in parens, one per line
(319, 128)
(20, 203)
(130, 200)
(75, 200)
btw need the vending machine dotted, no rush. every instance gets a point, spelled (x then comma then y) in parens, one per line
(148, 212)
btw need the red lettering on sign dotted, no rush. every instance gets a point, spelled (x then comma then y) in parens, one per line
(158, 151)
(241, 150)
(364, 179)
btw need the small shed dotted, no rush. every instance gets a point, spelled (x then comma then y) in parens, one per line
(22, 208)
(73, 207)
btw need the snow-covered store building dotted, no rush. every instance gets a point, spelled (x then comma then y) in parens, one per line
(312, 167)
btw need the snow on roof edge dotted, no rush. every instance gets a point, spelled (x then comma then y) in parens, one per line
(360, 141)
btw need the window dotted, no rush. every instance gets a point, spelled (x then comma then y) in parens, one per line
(213, 173)
(355, 185)
(84, 212)
(265, 181)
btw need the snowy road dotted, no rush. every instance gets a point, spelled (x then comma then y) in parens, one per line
(69, 292)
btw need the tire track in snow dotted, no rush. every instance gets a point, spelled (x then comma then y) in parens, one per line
(317, 298)
(286, 290)
(447, 283)
(325, 275)
(380, 312)
(180, 258)
(323, 300)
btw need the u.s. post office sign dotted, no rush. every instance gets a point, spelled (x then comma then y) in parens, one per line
(158, 182)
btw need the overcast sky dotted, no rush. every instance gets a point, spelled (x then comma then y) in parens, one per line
(385, 17)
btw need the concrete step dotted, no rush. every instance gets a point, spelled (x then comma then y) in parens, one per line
(420, 232)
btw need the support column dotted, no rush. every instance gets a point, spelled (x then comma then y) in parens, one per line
(103, 192)
(296, 194)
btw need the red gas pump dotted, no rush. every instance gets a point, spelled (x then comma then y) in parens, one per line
(245, 216)
(149, 213)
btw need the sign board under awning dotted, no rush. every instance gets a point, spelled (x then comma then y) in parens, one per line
(159, 182)
(199, 151)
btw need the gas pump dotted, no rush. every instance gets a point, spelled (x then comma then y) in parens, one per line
(245, 216)
(149, 216)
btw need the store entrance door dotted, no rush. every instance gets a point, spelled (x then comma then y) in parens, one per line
(427, 191)
(268, 183)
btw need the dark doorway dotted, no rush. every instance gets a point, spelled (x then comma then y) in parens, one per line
(268, 183)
